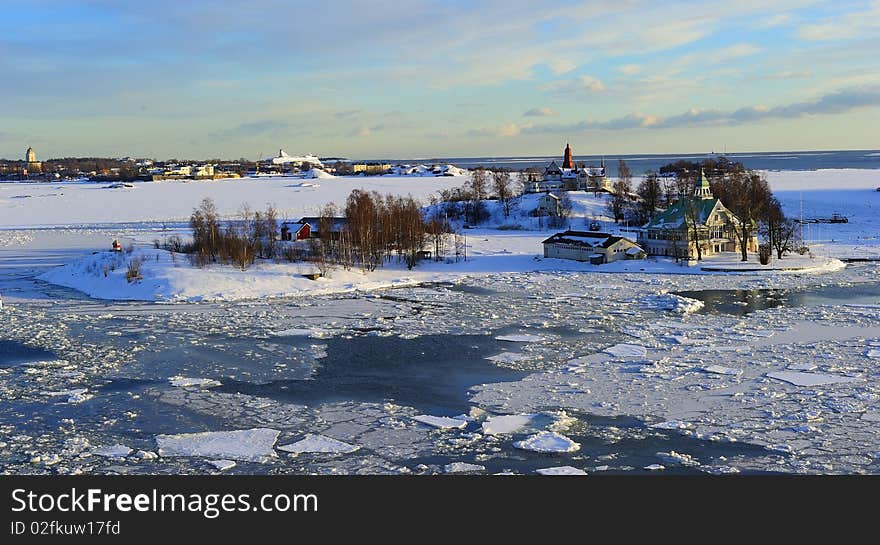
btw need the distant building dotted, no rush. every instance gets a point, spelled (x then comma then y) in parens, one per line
(590, 246)
(30, 162)
(569, 177)
(671, 232)
(295, 230)
(371, 168)
(285, 160)
(548, 205)
(336, 225)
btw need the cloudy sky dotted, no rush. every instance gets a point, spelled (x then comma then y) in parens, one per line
(372, 79)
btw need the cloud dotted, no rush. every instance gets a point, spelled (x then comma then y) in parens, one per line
(784, 75)
(843, 27)
(834, 103)
(561, 66)
(630, 69)
(774, 21)
(346, 114)
(581, 84)
(511, 129)
(539, 112)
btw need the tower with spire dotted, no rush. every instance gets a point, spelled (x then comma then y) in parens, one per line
(703, 191)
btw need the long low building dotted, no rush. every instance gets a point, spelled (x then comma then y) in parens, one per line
(597, 248)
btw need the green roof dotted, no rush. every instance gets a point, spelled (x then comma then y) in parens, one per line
(674, 217)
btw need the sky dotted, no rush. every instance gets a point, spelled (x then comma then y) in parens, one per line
(420, 79)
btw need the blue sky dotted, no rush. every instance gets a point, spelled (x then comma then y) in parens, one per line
(202, 79)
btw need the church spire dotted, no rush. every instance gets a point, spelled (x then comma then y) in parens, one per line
(703, 191)
(567, 161)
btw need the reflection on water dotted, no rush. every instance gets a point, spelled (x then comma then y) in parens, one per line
(741, 302)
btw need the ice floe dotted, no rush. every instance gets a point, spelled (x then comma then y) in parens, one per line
(510, 423)
(521, 338)
(508, 357)
(721, 370)
(673, 303)
(319, 443)
(810, 379)
(222, 465)
(462, 467)
(627, 351)
(442, 422)
(548, 441)
(188, 382)
(560, 470)
(251, 445)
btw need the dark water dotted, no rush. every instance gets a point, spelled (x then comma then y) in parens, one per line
(641, 163)
(13, 353)
(742, 302)
(431, 373)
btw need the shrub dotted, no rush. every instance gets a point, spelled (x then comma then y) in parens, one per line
(134, 271)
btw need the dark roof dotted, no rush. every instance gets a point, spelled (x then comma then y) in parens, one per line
(314, 222)
(586, 238)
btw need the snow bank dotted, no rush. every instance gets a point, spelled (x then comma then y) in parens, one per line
(252, 445)
(548, 441)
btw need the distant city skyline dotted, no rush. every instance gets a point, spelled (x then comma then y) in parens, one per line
(358, 79)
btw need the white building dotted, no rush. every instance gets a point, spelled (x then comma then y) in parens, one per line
(597, 248)
(283, 159)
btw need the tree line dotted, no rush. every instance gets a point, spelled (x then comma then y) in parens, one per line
(370, 231)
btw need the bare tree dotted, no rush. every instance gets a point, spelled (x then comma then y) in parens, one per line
(478, 184)
(782, 233)
(747, 194)
(650, 194)
(502, 185)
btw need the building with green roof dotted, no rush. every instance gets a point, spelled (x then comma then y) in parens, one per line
(698, 219)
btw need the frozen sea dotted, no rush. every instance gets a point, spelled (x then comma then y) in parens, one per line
(508, 373)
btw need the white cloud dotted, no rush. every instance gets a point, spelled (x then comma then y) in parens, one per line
(561, 66)
(630, 69)
(580, 84)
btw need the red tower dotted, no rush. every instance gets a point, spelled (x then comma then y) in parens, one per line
(567, 161)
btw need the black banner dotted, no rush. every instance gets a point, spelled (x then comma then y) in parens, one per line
(117, 508)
